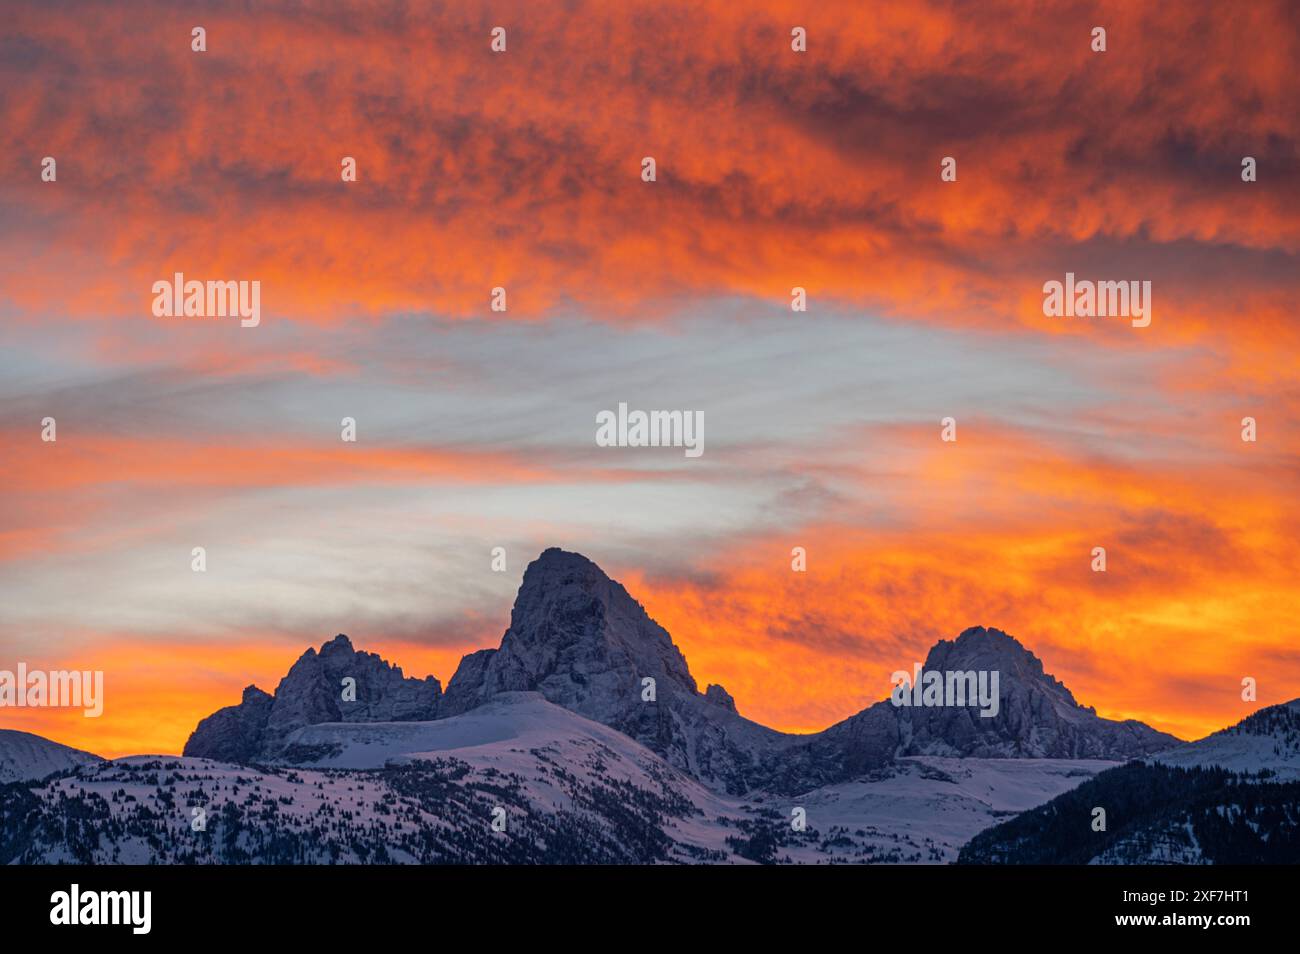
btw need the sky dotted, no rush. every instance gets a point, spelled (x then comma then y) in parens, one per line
(476, 428)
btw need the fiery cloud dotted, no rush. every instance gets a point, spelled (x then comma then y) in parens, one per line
(775, 169)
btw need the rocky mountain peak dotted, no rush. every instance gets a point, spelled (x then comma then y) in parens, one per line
(335, 684)
(555, 566)
(980, 649)
(339, 645)
(580, 639)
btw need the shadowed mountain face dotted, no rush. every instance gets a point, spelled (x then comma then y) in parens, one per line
(581, 641)
(314, 691)
(577, 637)
(1037, 717)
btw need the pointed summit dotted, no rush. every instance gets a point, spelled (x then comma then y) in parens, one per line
(339, 644)
(555, 564)
(577, 637)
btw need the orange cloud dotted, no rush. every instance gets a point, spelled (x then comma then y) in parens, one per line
(522, 169)
(999, 531)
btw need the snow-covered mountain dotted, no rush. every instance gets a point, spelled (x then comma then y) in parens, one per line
(312, 692)
(565, 789)
(587, 733)
(1267, 741)
(25, 757)
(580, 640)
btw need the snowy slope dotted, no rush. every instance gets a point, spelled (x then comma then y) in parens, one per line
(520, 734)
(1268, 739)
(925, 809)
(511, 721)
(572, 790)
(25, 757)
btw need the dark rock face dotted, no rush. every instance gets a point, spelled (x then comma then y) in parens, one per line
(581, 641)
(235, 733)
(311, 693)
(577, 637)
(1037, 717)
(720, 697)
(465, 690)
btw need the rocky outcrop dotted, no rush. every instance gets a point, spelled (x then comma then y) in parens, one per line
(720, 697)
(235, 733)
(579, 639)
(465, 690)
(315, 690)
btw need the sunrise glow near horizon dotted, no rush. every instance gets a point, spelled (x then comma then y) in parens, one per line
(476, 427)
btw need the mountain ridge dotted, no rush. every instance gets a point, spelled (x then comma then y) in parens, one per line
(578, 638)
(573, 790)
(587, 729)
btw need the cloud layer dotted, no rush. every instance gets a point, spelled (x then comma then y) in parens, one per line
(775, 169)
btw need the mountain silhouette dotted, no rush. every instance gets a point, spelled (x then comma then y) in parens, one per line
(581, 641)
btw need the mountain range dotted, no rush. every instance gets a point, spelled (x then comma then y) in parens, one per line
(584, 737)
(581, 641)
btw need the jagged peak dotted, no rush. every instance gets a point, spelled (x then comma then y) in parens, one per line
(987, 642)
(337, 644)
(991, 637)
(980, 647)
(252, 692)
(559, 577)
(720, 696)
